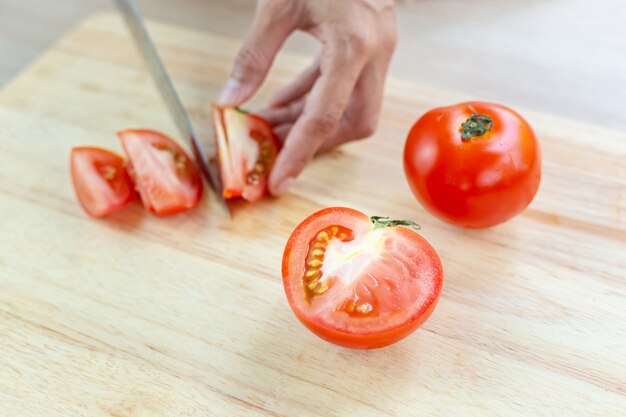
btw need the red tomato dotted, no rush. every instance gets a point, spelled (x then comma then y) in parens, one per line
(247, 148)
(100, 180)
(167, 179)
(360, 282)
(473, 164)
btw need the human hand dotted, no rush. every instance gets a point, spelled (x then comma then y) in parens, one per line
(334, 101)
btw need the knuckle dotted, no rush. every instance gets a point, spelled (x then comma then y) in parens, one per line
(294, 109)
(278, 10)
(361, 43)
(273, 5)
(323, 124)
(355, 43)
(389, 39)
(388, 30)
(365, 130)
(247, 63)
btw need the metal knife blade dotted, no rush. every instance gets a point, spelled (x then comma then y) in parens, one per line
(132, 15)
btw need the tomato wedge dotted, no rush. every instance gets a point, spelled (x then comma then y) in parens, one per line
(100, 179)
(360, 282)
(247, 148)
(168, 181)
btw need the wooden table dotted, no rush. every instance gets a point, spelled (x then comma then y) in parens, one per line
(136, 315)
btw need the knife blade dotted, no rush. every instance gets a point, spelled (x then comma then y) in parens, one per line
(134, 21)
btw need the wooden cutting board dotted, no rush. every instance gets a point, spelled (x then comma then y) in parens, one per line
(185, 316)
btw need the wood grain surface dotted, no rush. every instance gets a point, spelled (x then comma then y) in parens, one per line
(136, 315)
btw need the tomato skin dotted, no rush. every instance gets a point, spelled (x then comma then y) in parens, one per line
(245, 142)
(361, 336)
(101, 181)
(373, 340)
(167, 179)
(475, 183)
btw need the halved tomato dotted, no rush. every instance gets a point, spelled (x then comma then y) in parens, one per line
(360, 282)
(168, 181)
(247, 148)
(100, 180)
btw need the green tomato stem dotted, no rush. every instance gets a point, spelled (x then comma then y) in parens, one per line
(476, 125)
(382, 222)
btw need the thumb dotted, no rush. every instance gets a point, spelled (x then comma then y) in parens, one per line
(269, 30)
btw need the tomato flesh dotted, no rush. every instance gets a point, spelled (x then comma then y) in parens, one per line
(168, 181)
(477, 182)
(101, 181)
(357, 286)
(247, 148)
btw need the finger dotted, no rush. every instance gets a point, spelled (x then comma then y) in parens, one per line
(340, 66)
(361, 116)
(272, 23)
(282, 131)
(298, 88)
(285, 114)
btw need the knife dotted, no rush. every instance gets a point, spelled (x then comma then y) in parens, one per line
(134, 21)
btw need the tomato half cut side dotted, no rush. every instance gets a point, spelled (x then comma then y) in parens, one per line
(168, 180)
(360, 282)
(101, 181)
(247, 148)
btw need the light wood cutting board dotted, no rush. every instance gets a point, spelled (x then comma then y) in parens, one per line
(185, 316)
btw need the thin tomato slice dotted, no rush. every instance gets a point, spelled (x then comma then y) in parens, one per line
(358, 285)
(100, 180)
(168, 181)
(247, 148)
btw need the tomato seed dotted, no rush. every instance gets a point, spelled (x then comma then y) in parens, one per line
(364, 308)
(314, 263)
(263, 163)
(323, 235)
(312, 274)
(179, 160)
(321, 289)
(108, 172)
(315, 259)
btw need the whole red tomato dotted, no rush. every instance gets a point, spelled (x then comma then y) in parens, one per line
(473, 164)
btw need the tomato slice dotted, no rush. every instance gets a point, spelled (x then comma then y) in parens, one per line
(100, 180)
(168, 181)
(358, 284)
(247, 148)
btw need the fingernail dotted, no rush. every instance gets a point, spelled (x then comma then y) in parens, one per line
(230, 93)
(282, 187)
